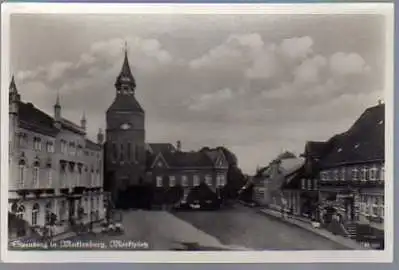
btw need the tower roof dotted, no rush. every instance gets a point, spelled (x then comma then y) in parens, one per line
(125, 76)
(13, 86)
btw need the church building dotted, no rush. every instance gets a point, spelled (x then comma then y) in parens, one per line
(130, 174)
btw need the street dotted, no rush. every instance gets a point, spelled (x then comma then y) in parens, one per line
(239, 227)
(160, 229)
(245, 227)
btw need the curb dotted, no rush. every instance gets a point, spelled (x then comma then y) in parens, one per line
(353, 245)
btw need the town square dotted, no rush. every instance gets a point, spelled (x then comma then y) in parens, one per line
(263, 135)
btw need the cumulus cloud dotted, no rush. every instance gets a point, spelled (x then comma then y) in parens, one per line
(309, 70)
(348, 64)
(254, 91)
(297, 47)
(209, 99)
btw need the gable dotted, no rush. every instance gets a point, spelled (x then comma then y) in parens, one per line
(159, 161)
(221, 161)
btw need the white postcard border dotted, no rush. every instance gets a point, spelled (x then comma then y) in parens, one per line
(373, 256)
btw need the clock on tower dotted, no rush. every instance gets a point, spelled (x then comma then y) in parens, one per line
(126, 126)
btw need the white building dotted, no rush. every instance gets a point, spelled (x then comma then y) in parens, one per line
(55, 172)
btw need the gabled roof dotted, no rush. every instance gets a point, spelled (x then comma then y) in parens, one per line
(363, 142)
(67, 124)
(161, 147)
(315, 149)
(92, 145)
(187, 159)
(34, 119)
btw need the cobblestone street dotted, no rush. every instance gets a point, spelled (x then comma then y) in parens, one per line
(245, 227)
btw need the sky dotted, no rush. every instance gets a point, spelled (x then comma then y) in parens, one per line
(256, 84)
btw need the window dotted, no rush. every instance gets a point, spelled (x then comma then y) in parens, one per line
(92, 178)
(50, 176)
(20, 212)
(36, 171)
(35, 214)
(324, 176)
(184, 181)
(129, 149)
(363, 176)
(303, 183)
(373, 173)
(22, 139)
(355, 174)
(336, 175)
(309, 184)
(49, 210)
(50, 147)
(62, 210)
(172, 181)
(21, 178)
(382, 173)
(222, 180)
(315, 183)
(79, 151)
(196, 180)
(136, 153)
(115, 151)
(72, 150)
(122, 157)
(37, 143)
(64, 148)
(342, 178)
(159, 181)
(79, 176)
(208, 180)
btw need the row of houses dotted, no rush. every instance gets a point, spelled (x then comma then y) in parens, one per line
(342, 177)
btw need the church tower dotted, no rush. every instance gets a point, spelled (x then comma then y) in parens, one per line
(125, 136)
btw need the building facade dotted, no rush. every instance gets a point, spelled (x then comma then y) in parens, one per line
(170, 168)
(352, 174)
(55, 172)
(270, 181)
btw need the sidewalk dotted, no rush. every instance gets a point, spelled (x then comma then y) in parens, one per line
(305, 224)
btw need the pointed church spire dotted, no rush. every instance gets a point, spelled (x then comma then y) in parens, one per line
(12, 87)
(125, 78)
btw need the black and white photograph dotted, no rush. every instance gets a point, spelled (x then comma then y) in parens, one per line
(173, 128)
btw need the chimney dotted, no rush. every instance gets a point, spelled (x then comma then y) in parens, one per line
(100, 136)
(380, 102)
(178, 146)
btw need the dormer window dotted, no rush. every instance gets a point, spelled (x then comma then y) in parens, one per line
(357, 146)
(381, 122)
(339, 150)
